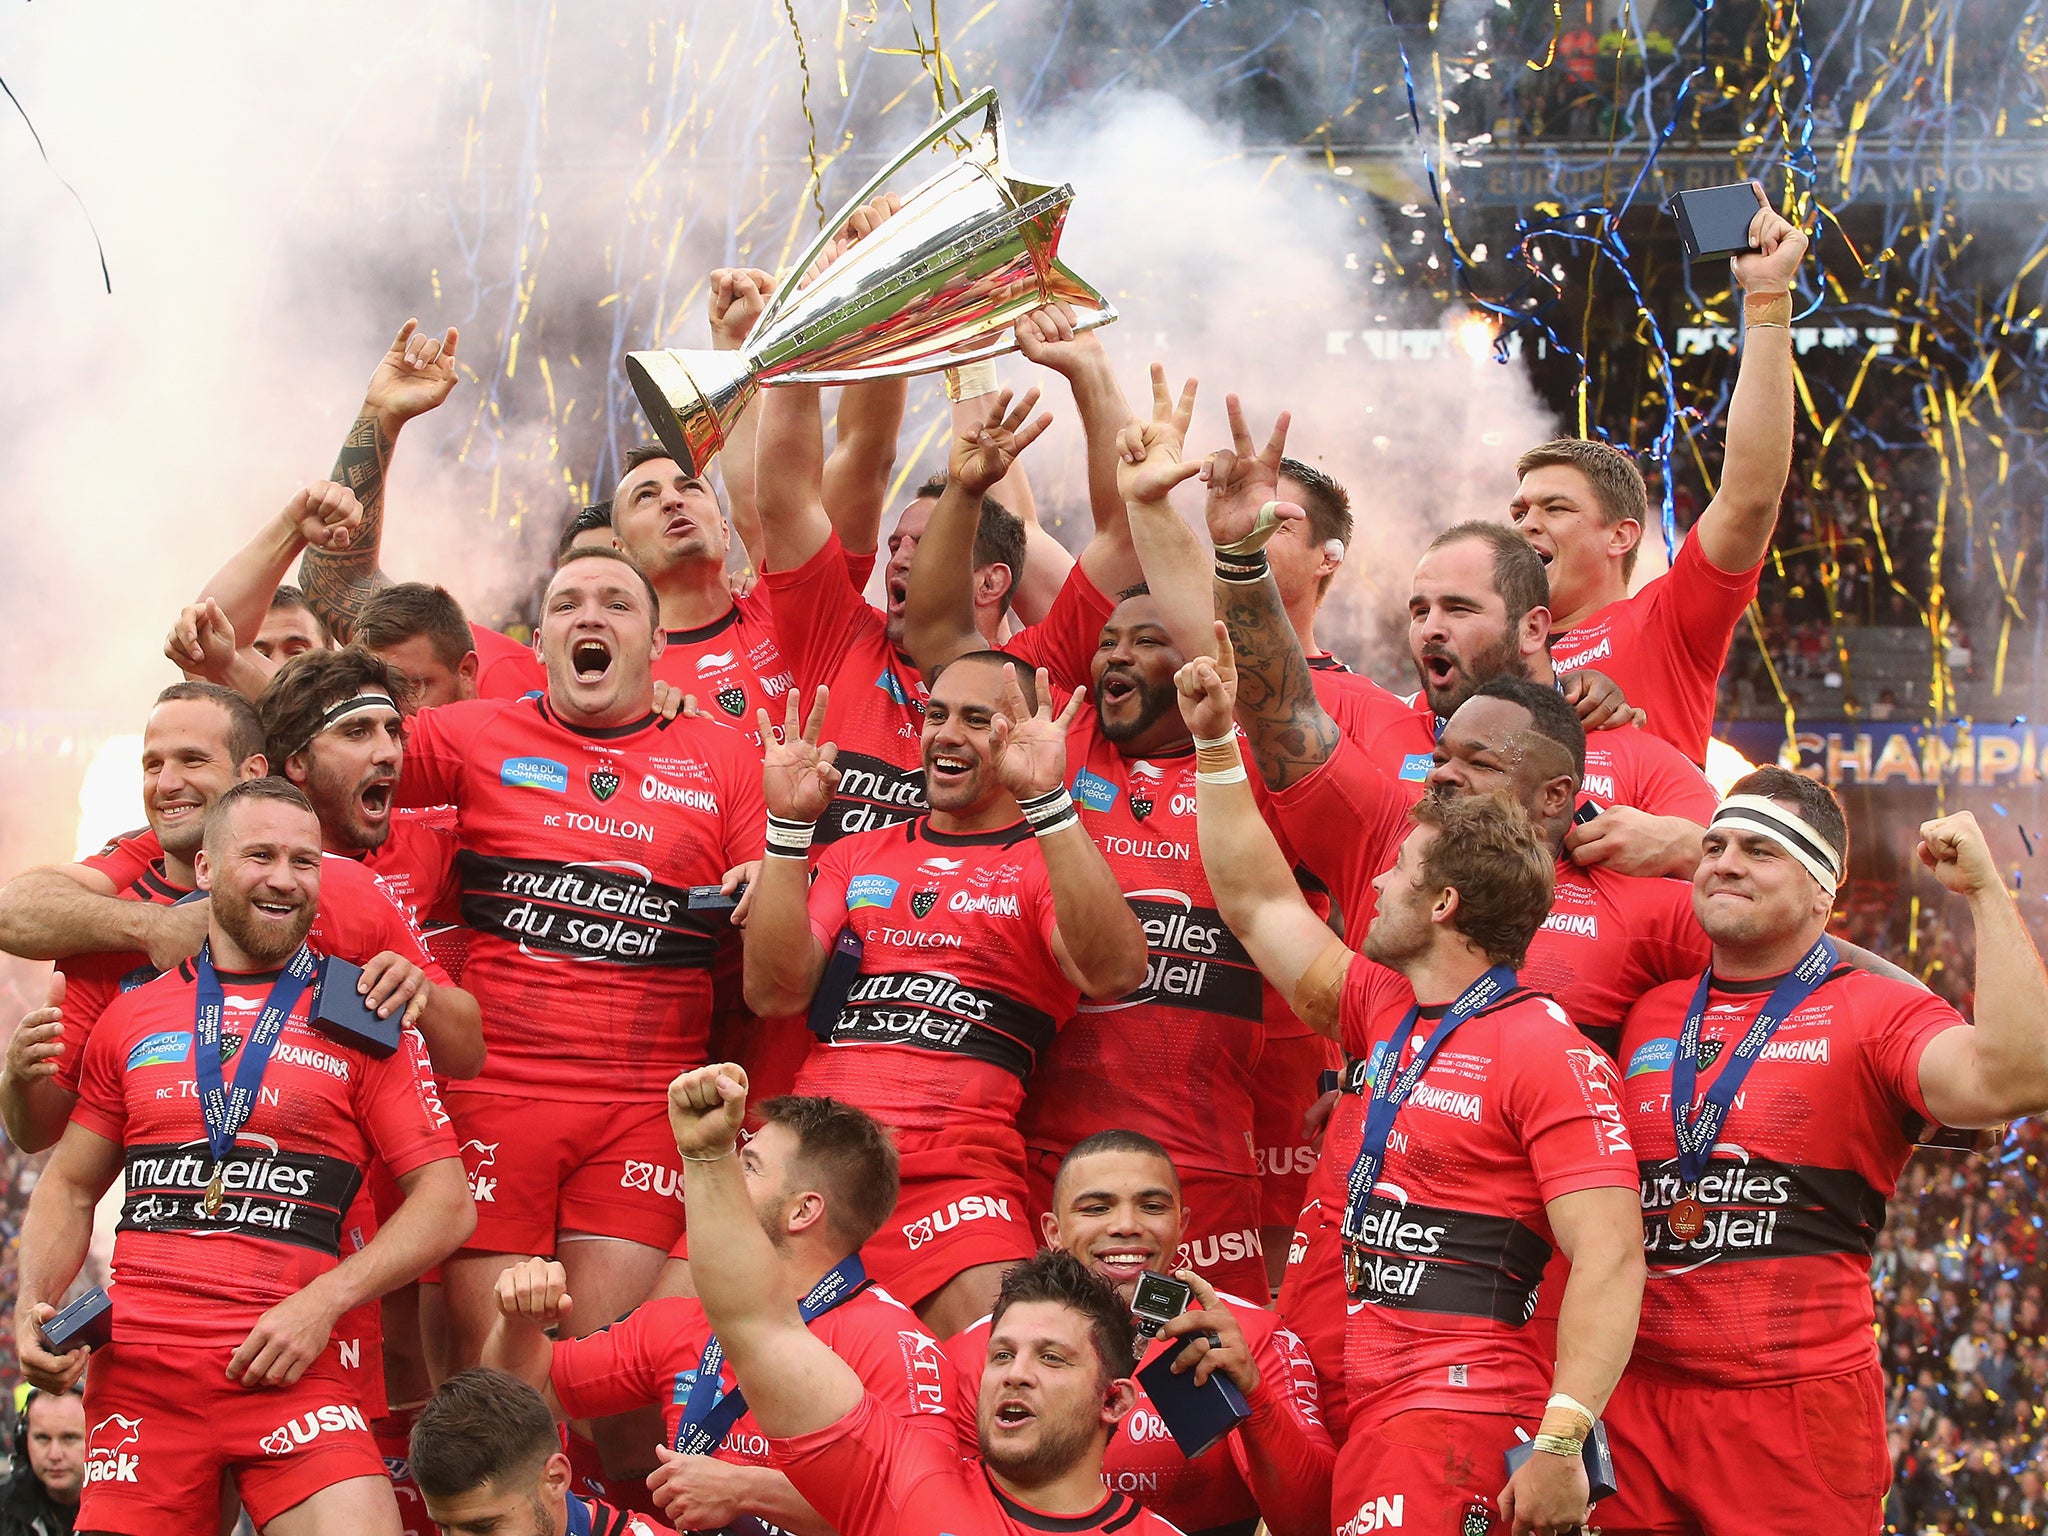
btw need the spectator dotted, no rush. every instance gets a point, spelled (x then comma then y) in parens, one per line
(47, 1469)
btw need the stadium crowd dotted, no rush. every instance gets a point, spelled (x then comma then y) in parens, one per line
(1053, 1050)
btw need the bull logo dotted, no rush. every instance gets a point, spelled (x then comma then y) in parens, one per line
(107, 1457)
(604, 783)
(921, 902)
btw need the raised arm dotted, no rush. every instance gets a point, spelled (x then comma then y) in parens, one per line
(793, 1381)
(783, 960)
(33, 1107)
(71, 909)
(1256, 893)
(737, 295)
(789, 461)
(863, 456)
(1998, 1069)
(1735, 530)
(55, 1235)
(1046, 336)
(1149, 464)
(938, 606)
(1097, 938)
(323, 515)
(1046, 561)
(415, 375)
(533, 1297)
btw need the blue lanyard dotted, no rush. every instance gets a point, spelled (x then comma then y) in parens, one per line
(707, 1417)
(227, 1109)
(1389, 1092)
(579, 1517)
(1697, 1133)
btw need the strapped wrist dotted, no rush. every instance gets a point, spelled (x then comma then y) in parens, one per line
(788, 838)
(1050, 812)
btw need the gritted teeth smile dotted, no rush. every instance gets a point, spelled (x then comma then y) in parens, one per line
(275, 908)
(950, 765)
(1012, 1414)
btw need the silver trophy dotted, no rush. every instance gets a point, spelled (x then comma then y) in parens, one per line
(939, 284)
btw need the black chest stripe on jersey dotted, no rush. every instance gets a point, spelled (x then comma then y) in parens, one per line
(1424, 1258)
(871, 794)
(1195, 962)
(584, 912)
(1761, 1210)
(281, 1197)
(937, 1013)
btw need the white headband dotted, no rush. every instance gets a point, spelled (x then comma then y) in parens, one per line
(1767, 818)
(369, 698)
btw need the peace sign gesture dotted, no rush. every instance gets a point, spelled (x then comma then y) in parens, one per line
(1029, 747)
(1148, 453)
(983, 456)
(798, 776)
(1240, 480)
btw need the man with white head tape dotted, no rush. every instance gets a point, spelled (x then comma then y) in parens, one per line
(1773, 1102)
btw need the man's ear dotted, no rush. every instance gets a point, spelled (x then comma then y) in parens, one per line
(1558, 797)
(1624, 536)
(202, 870)
(295, 769)
(1119, 1400)
(254, 766)
(1049, 1226)
(992, 583)
(468, 669)
(1533, 636)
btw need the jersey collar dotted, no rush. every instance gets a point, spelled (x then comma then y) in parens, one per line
(1114, 1512)
(921, 830)
(603, 732)
(709, 631)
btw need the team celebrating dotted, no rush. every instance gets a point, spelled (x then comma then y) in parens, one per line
(755, 1060)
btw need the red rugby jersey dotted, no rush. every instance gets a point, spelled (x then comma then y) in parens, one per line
(1624, 765)
(1776, 1287)
(651, 1355)
(732, 665)
(358, 918)
(958, 994)
(831, 635)
(505, 669)
(1515, 1110)
(873, 1474)
(1142, 1460)
(323, 1111)
(577, 852)
(1174, 1059)
(1666, 645)
(1360, 706)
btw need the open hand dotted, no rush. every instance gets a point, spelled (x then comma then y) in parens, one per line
(1029, 746)
(285, 1341)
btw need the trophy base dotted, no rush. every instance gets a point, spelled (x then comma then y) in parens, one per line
(691, 399)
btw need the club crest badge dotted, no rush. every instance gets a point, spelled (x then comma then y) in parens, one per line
(604, 783)
(1141, 805)
(732, 699)
(921, 902)
(1710, 1052)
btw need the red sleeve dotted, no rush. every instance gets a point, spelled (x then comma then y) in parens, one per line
(370, 920)
(745, 822)
(859, 568)
(1672, 944)
(1696, 609)
(1368, 987)
(1908, 1018)
(1668, 784)
(399, 1108)
(436, 747)
(872, 1472)
(828, 895)
(102, 1106)
(1064, 642)
(1283, 1452)
(127, 858)
(1565, 1099)
(88, 994)
(1347, 819)
(614, 1369)
(505, 669)
(816, 611)
(903, 1367)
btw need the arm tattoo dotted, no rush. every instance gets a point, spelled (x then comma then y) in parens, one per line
(338, 582)
(1291, 736)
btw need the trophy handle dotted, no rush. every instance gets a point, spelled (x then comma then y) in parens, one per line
(983, 99)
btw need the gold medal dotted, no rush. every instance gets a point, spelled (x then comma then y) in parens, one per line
(216, 1191)
(1688, 1218)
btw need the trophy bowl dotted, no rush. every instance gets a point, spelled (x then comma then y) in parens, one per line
(937, 285)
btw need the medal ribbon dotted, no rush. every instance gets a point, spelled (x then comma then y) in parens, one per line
(1389, 1092)
(707, 1417)
(227, 1109)
(580, 1522)
(1697, 1133)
